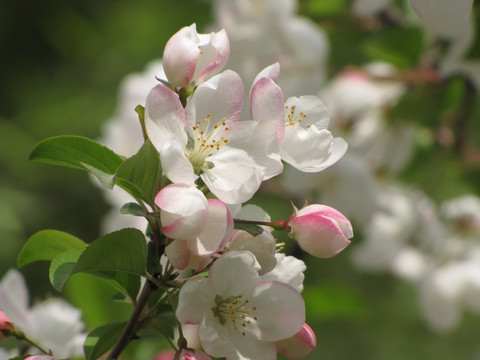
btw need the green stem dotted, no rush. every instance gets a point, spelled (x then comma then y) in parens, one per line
(277, 225)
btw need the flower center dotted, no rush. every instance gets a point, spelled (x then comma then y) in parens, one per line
(236, 310)
(291, 120)
(206, 141)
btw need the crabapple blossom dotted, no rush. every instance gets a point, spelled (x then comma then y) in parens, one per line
(165, 355)
(206, 139)
(53, 324)
(204, 224)
(403, 231)
(299, 345)
(239, 315)
(446, 290)
(190, 58)
(320, 230)
(304, 141)
(189, 354)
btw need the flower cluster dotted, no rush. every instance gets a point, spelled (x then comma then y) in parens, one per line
(249, 305)
(201, 159)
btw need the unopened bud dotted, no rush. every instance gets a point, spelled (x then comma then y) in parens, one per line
(320, 230)
(299, 345)
(6, 326)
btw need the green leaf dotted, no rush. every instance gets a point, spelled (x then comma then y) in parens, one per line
(132, 209)
(140, 174)
(46, 245)
(127, 283)
(252, 229)
(121, 251)
(61, 267)
(102, 339)
(79, 153)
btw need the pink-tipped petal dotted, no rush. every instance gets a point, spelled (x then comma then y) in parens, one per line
(299, 345)
(181, 55)
(321, 231)
(217, 229)
(184, 209)
(164, 117)
(267, 104)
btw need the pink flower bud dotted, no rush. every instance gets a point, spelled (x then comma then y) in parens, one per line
(191, 57)
(299, 345)
(190, 354)
(40, 357)
(320, 230)
(5, 325)
(165, 355)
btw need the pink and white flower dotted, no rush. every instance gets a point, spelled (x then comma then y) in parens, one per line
(6, 325)
(320, 230)
(53, 324)
(299, 345)
(186, 215)
(206, 139)
(262, 246)
(304, 141)
(190, 58)
(239, 315)
(190, 354)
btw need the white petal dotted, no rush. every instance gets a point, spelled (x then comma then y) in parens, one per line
(270, 72)
(184, 210)
(215, 338)
(176, 165)
(263, 246)
(234, 273)
(288, 270)
(311, 150)
(259, 140)
(315, 111)
(164, 117)
(280, 309)
(267, 104)
(248, 348)
(215, 49)
(181, 55)
(196, 298)
(220, 97)
(178, 254)
(217, 227)
(235, 177)
(14, 299)
(252, 212)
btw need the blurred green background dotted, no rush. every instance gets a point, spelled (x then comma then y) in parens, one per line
(61, 65)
